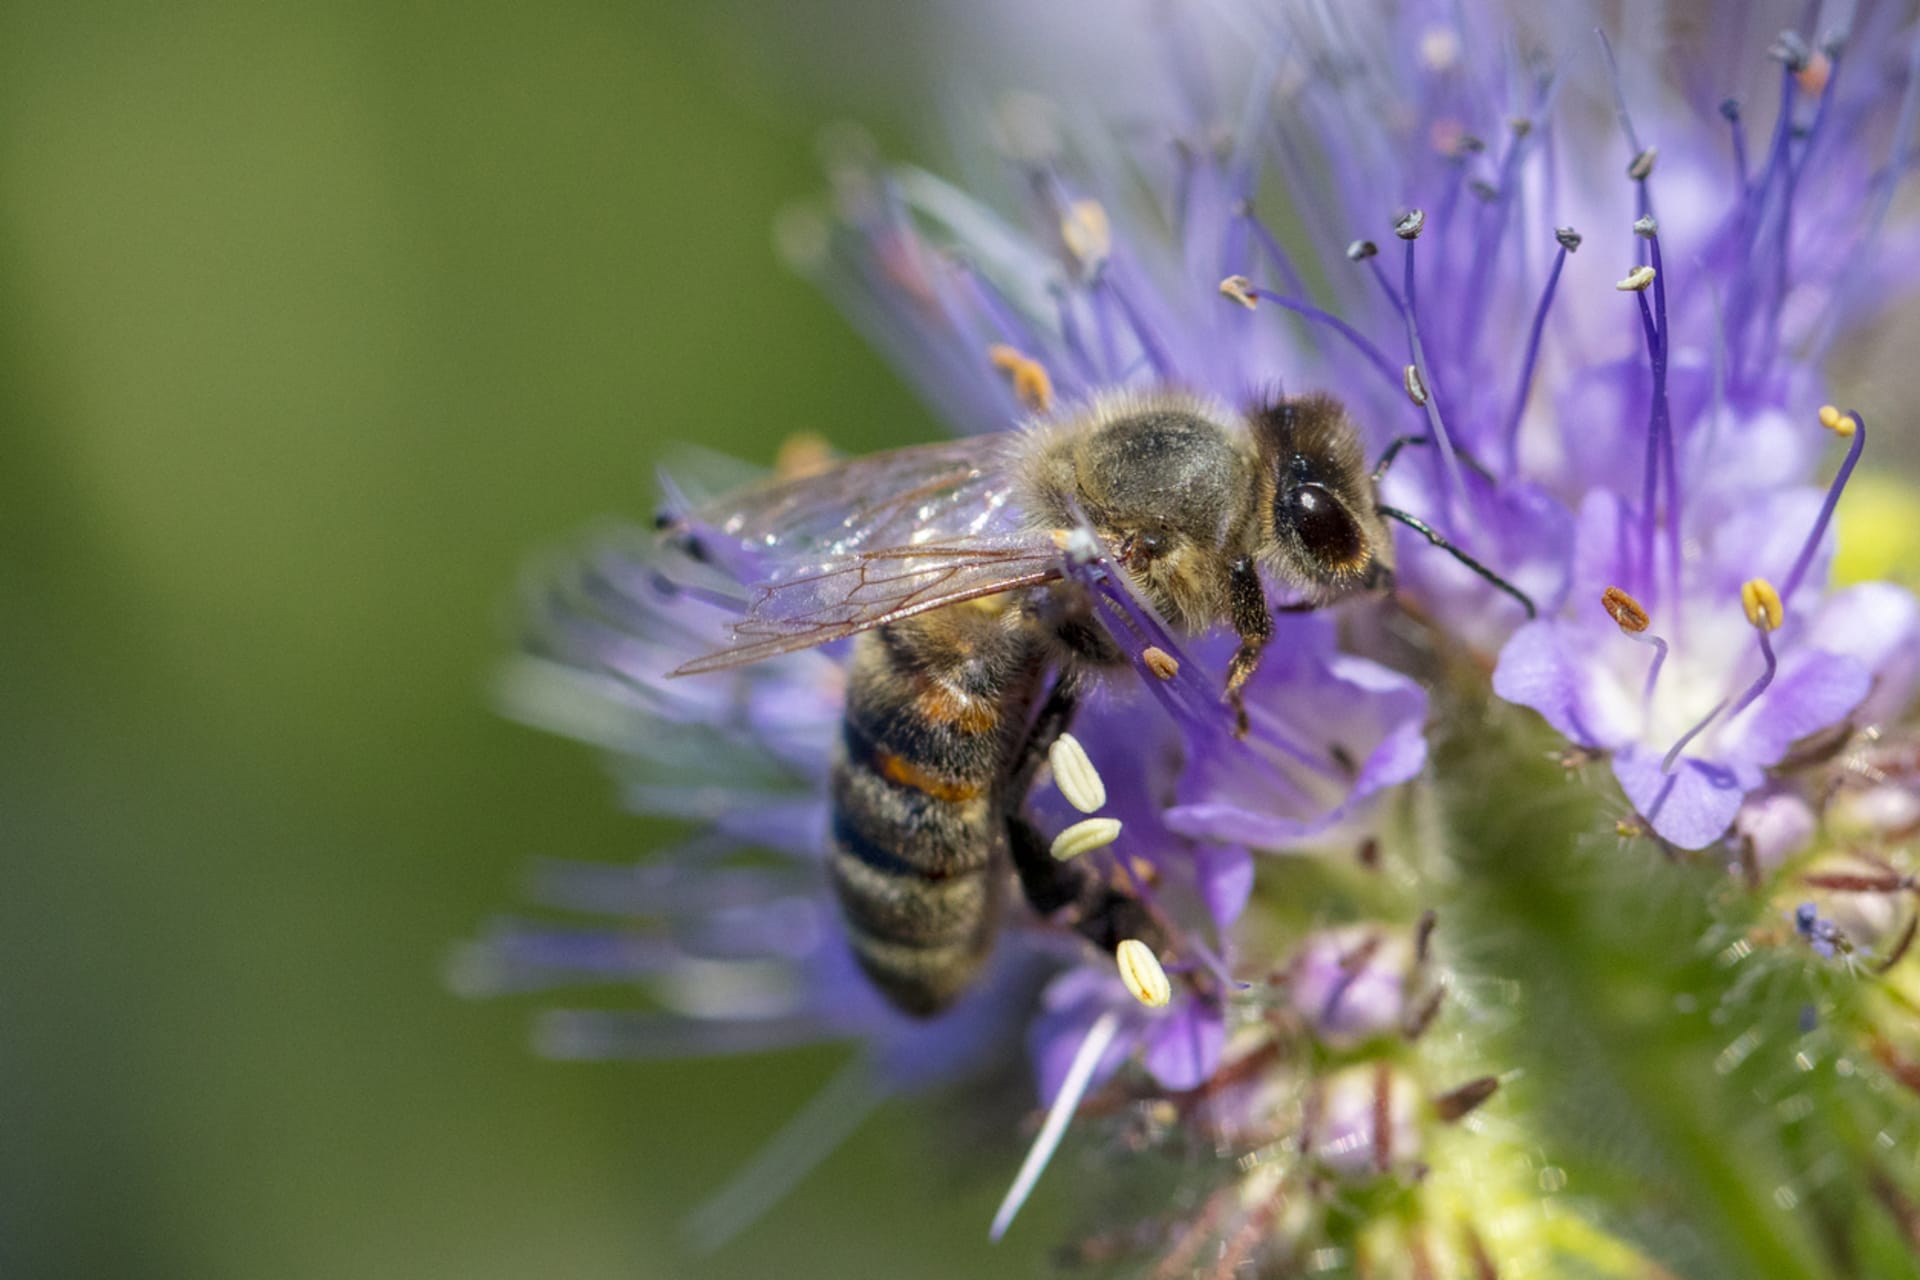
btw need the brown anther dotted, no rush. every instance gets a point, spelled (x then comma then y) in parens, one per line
(1627, 612)
(1031, 385)
(1456, 1103)
(1643, 164)
(1163, 664)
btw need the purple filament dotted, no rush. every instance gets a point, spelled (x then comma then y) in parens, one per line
(1527, 366)
(1805, 558)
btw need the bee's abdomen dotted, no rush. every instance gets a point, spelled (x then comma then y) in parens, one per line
(932, 708)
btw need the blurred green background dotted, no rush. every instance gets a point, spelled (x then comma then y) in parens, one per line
(314, 322)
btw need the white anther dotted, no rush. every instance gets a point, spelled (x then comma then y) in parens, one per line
(1087, 233)
(1074, 774)
(1637, 280)
(1085, 836)
(1416, 386)
(1140, 970)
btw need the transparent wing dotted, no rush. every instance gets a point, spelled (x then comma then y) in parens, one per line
(865, 543)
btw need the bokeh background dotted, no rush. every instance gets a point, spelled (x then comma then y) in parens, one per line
(315, 322)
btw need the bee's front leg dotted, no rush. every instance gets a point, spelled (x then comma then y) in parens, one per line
(1253, 622)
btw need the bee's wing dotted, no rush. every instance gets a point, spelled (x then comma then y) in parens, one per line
(868, 542)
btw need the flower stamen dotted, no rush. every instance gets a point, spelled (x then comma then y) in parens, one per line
(1072, 1089)
(1632, 619)
(1764, 611)
(1246, 293)
(1141, 971)
(1028, 377)
(1852, 428)
(1075, 776)
(1569, 241)
(1084, 837)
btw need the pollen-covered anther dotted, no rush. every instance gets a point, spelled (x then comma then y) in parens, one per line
(1163, 664)
(1762, 604)
(1636, 280)
(1567, 237)
(1031, 385)
(1240, 289)
(1074, 774)
(1084, 837)
(1087, 232)
(1416, 386)
(1835, 421)
(1813, 77)
(1409, 224)
(1142, 973)
(1642, 164)
(1646, 228)
(1628, 613)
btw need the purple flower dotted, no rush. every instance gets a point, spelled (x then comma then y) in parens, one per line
(1578, 308)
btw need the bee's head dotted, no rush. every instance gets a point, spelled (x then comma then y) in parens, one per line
(1319, 527)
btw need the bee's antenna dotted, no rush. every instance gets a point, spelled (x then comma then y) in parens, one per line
(1433, 536)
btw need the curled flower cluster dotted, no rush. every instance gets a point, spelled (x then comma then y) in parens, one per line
(1583, 294)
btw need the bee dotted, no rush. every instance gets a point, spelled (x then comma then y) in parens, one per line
(944, 564)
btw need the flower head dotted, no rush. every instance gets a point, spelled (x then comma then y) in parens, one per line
(1577, 308)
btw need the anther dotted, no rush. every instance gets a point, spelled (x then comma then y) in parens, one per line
(1643, 164)
(1636, 280)
(1646, 228)
(1790, 50)
(1074, 774)
(1568, 238)
(1521, 125)
(1416, 389)
(1361, 250)
(1730, 110)
(1628, 613)
(802, 454)
(1087, 232)
(1835, 421)
(1142, 973)
(1409, 224)
(1163, 664)
(1031, 385)
(1813, 77)
(1085, 836)
(1484, 190)
(1240, 289)
(1762, 604)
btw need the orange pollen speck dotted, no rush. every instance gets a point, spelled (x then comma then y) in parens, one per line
(1029, 377)
(1625, 610)
(1160, 662)
(1814, 76)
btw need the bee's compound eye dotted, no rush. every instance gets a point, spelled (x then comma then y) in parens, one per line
(1327, 531)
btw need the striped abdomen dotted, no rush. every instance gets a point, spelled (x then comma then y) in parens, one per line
(936, 706)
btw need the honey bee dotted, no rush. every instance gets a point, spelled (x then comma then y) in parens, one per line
(944, 563)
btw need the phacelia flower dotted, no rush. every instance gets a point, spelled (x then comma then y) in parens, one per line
(1576, 291)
